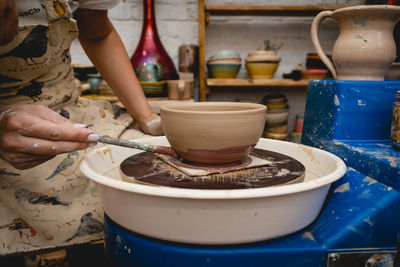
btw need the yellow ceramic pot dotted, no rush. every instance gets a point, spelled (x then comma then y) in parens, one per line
(262, 64)
(223, 71)
(261, 70)
(279, 105)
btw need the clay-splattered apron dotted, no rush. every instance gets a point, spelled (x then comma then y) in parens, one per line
(52, 204)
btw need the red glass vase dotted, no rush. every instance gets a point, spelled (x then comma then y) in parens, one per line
(150, 49)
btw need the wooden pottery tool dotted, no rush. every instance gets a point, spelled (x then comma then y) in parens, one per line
(146, 147)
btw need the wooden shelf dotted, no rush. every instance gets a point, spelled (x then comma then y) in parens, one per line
(246, 10)
(255, 82)
(206, 11)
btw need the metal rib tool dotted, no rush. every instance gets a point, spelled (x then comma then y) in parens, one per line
(132, 144)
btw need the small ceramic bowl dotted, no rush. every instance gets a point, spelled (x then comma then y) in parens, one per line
(277, 105)
(223, 71)
(260, 70)
(277, 129)
(274, 98)
(225, 61)
(285, 109)
(153, 88)
(276, 117)
(275, 124)
(213, 132)
(314, 73)
(262, 64)
(224, 54)
(263, 56)
(277, 136)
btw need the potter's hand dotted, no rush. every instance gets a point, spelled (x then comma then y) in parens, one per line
(33, 134)
(8, 21)
(152, 125)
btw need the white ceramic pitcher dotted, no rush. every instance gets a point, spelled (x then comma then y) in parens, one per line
(365, 48)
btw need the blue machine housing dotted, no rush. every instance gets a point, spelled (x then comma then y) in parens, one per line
(351, 119)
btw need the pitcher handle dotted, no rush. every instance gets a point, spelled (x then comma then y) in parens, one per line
(315, 40)
(160, 71)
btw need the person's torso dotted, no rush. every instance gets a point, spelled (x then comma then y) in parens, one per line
(34, 12)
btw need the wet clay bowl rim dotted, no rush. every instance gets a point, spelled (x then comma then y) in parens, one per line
(213, 132)
(197, 216)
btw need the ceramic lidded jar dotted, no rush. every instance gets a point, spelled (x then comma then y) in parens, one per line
(213, 132)
(365, 48)
(262, 64)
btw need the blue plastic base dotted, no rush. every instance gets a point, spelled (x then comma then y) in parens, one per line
(125, 248)
(362, 212)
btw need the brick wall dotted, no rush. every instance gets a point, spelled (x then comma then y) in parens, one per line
(177, 24)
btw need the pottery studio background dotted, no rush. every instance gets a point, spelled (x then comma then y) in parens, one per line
(177, 22)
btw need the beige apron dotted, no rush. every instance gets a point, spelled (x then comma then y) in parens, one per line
(53, 204)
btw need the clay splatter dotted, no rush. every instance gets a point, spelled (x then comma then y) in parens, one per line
(343, 188)
(369, 180)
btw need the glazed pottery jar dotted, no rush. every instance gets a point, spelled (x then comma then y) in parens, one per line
(365, 48)
(94, 80)
(262, 64)
(150, 50)
(150, 72)
(213, 132)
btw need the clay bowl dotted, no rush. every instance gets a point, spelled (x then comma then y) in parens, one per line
(277, 136)
(225, 61)
(277, 117)
(261, 70)
(225, 54)
(224, 70)
(277, 105)
(278, 129)
(314, 73)
(262, 64)
(213, 132)
(274, 98)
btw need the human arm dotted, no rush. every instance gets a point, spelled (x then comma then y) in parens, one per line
(8, 21)
(105, 49)
(32, 134)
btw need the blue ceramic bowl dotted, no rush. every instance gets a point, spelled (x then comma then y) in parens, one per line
(223, 71)
(225, 54)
